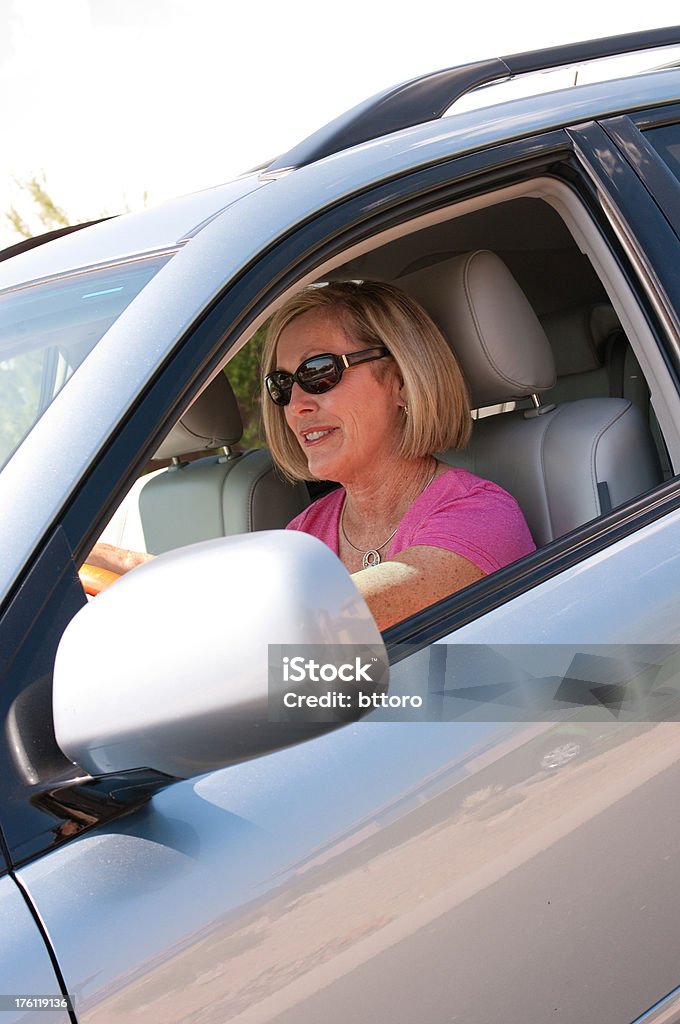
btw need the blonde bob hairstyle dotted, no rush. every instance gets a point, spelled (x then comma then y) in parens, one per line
(372, 313)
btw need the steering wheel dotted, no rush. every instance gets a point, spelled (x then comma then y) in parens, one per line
(94, 579)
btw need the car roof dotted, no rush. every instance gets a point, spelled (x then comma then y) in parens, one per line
(161, 228)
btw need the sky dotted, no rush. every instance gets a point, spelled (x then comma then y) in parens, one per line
(115, 100)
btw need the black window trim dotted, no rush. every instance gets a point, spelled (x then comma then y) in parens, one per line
(646, 161)
(644, 231)
(656, 117)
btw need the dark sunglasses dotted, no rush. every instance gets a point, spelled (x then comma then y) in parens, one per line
(318, 374)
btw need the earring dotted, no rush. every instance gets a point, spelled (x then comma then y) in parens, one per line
(406, 409)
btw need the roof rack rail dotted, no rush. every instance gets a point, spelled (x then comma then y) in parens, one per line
(429, 96)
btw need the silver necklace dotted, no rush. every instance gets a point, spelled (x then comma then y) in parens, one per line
(372, 556)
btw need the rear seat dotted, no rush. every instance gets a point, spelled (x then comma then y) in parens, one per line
(215, 496)
(594, 359)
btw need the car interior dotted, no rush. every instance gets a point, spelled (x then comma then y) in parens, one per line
(570, 397)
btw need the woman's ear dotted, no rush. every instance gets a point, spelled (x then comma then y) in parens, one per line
(393, 378)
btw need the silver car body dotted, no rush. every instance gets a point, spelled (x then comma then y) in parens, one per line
(390, 870)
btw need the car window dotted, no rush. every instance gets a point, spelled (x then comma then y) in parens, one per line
(245, 377)
(666, 141)
(48, 328)
(594, 359)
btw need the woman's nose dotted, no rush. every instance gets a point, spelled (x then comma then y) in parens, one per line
(301, 401)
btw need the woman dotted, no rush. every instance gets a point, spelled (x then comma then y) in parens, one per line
(361, 388)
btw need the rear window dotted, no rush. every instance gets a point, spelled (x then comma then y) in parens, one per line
(47, 329)
(666, 142)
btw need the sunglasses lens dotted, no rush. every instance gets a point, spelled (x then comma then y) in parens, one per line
(315, 376)
(279, 386)
(318, 374)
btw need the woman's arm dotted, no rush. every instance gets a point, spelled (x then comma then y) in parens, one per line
(119, 560)
(412, 580)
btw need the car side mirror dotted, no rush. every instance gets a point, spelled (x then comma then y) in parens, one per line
(169, 668)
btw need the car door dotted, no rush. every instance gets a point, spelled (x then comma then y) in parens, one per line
(414, 868)
(30, 988)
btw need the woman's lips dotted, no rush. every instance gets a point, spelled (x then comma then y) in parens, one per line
(316, 436)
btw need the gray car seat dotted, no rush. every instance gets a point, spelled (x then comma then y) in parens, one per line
(593, 357)
(215, 496)
(565, 463)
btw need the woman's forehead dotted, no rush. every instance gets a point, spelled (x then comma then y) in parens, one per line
(312, 332)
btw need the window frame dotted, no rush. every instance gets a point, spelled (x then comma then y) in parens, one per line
(442, 186)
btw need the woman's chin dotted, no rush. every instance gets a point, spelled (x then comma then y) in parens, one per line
(323, 468)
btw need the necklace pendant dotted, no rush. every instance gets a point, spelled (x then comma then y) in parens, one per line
(370, 559)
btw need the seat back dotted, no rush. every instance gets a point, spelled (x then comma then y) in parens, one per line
(565, 464)
(593, 358)
(215, 496)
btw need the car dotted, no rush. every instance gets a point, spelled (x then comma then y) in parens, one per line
(184, 835)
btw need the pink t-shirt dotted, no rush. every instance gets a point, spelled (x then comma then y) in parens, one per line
(458, 512)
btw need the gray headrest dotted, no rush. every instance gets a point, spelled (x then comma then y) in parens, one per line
(213, 421)
(579, 337)
(489, 323)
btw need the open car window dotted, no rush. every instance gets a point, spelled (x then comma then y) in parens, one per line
(601, 348)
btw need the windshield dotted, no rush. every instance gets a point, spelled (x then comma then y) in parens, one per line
(47, 329)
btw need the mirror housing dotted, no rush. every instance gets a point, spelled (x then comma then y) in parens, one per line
(168, 669)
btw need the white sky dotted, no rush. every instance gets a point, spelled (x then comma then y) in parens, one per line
(110, 98)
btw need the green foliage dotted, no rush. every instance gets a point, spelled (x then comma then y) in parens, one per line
(51, 215)
(17, 222)
(46, 210)
(244, 373)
